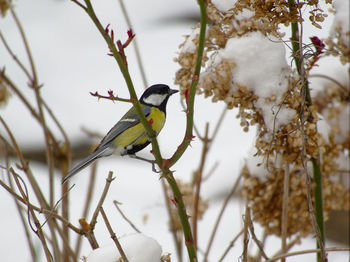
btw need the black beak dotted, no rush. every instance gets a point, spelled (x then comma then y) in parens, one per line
(172, 91)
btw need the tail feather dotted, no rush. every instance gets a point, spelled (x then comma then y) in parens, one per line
(99, 152)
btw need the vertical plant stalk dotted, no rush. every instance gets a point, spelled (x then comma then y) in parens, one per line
(87, 204)
(284, 218)
(198, 181)
(20, 208)
(177, 240)
(163, 164)
(136, 46)
(38, 231)
(245, 234)
(296, 38)
(221, 213)
(113, 236)
(181, 209)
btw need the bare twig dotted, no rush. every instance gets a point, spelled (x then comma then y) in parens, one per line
(20, 209)
(307, 251)
(217, 222)
(89, 233)
(232, 243)
(38, 229)
(19, 63)
(332, 80)
(198, 181)
(113, 236)
(252, 232)
(288, 246)
(246, 234)
(284, 219)
(116, 204)
(136, 47)
(177, 240)
(86, 208)
(40, 210)
(109, 179)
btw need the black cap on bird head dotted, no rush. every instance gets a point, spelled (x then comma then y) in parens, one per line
(157, 95)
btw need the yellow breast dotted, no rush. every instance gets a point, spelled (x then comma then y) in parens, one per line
(137, 135)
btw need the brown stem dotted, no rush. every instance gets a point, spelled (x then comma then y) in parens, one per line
(116, 204)
(198, 179)
(218, 220)
(86, 208)
(113, 236)
(109, 179)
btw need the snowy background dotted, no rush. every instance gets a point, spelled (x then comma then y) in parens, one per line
(71, 60)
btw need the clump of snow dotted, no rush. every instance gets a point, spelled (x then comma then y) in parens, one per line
(137, 248)
(323, 128)
(189, 46)
(262, 68)
(341, 19)
(344, 124)
(224, 5)
(343, 162)
(256, 166)
(245, 14)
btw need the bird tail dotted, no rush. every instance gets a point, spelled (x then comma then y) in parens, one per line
(99, 152)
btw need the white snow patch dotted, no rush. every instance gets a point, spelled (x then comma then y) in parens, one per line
(189, 46)
(323, 128)
(343, 162)
(344, 124)
(224, 5)
(261, 66)
(245, 14)
(341, 19)
(256, 165)
(137, 248)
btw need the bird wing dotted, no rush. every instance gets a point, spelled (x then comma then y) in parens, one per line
(130, 119)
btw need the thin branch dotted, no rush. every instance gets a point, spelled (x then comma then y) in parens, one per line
(256, 240)
(87, 204)
(218, 220)
(317, 218)
(109, 179)
(332, 80)
(136, 46)
(116, 204)
(12, 54)
(89, 233)
(307, 251)
(198, 181)
(38, 230)
(113, 236)
(177, 241)
(284, 219)
(40, 210)
(20, 210)
(231, 245)
(246, 234)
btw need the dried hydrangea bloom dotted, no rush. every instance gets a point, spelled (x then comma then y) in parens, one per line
(245, 66)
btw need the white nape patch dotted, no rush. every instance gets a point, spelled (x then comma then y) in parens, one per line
(155, 99)
(128, 120)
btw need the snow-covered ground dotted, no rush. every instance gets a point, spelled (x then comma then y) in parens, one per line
(71, 60)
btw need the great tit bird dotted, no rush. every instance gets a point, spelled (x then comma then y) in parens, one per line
(129, 136)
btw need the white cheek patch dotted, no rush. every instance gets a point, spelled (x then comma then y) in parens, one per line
(155, 99)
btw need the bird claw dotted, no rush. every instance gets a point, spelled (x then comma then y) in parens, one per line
(152, 162)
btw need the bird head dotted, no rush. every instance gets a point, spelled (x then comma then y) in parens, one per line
(157, 95)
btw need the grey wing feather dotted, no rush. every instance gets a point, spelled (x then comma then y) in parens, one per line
(85, 162)
(102, 149)
(121, 126)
